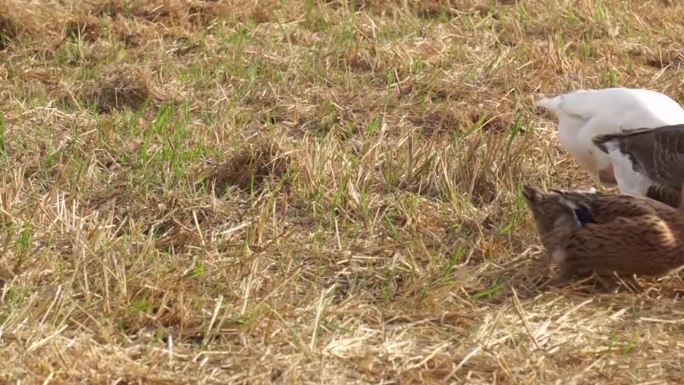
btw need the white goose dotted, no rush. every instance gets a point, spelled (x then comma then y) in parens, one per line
(584, 114)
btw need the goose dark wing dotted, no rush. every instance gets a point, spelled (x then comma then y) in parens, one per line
(666, 168)
(655, 152)
(668, 156)
(621, 138)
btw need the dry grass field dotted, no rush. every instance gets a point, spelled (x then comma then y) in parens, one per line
(305, 192)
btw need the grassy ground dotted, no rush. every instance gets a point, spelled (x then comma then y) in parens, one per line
(296, 192)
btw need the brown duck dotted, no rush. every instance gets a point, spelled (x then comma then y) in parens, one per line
(606, 234)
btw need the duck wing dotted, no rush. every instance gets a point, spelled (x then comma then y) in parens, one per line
(634, 245)
(608, 207)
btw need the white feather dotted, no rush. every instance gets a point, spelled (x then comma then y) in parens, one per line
(628, 180)
(583, 114)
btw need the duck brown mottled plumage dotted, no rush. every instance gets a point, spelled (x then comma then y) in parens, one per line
(606, 234)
